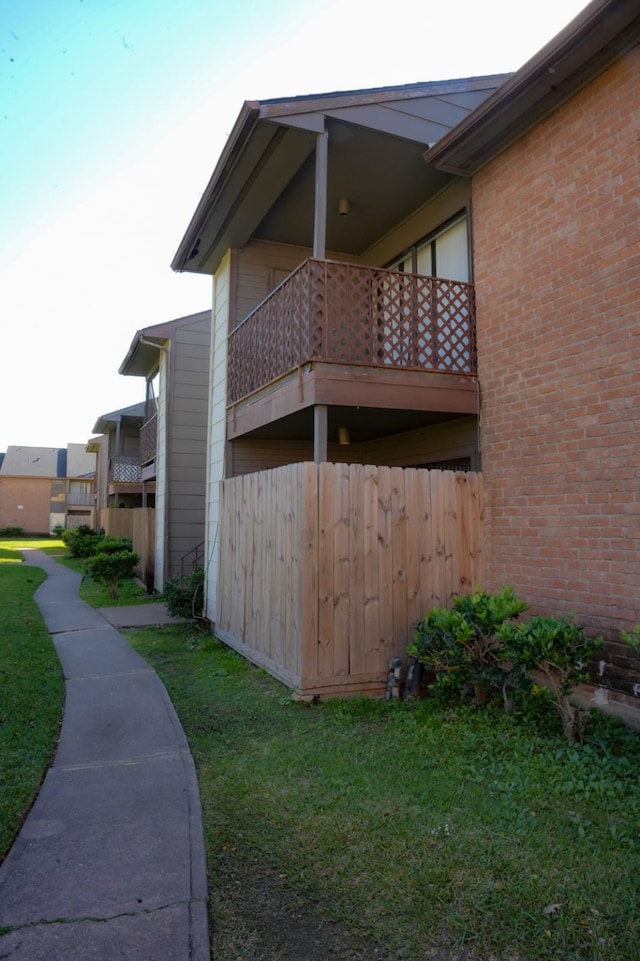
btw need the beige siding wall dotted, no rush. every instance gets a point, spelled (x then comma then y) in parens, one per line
(261, 266)
(160, 546)
(188, 439)
(217, 424)
(79, 461)
(450, 441)
(257, 269)
(424, 221)
(102, 471)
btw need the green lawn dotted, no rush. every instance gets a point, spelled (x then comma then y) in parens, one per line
(407, 826)
(97, 595)
(31, 691)
(11, 548)
(388, 830)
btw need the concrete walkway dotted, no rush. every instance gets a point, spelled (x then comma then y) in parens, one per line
(110, 862)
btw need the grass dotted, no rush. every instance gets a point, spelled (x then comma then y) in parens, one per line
(31, 690)
(11, 548)
(97, 595)
(410, 827)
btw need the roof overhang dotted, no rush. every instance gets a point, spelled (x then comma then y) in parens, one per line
(142, 355)
(133, 416)
(144, 351)
(602, 33)
(263, 183)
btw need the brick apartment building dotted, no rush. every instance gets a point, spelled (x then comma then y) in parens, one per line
(554, 161)
(42, 487)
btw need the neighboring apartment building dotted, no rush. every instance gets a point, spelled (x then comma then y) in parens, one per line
(118, 479)
(343, 308)
(45, 487)
(553, 160)
(174, 360)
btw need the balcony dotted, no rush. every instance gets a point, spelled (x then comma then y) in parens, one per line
(124, 470)
(344, 314)
(80, 498)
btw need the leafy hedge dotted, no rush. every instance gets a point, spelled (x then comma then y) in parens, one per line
(184, 595)
(112, 568)
(476, 645)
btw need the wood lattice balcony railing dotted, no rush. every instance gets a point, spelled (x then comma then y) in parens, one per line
(124, 470)
(148, 440)
(347, 314)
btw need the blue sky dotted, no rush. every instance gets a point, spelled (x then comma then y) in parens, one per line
(112, 116)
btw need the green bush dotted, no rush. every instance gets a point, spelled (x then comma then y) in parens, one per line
(10, 531)
(112, 569)
(58, 531)
(82, 541)
(114, 545)
(560, 650)
(461, 643)
(632, 638)
(185, 595)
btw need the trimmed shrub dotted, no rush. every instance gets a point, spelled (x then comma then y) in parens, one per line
(560, 651)
(184, 595)
(114, 545)
(112, 569)
(632, 638)
(461, 644)
(11, 531)
(82, 541)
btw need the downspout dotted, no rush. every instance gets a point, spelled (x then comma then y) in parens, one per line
(165, 350)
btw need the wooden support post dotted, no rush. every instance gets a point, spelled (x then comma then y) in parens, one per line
(320, 433)
(320, 213)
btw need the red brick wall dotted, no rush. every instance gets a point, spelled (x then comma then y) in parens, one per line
(34, 494)
(557, 270)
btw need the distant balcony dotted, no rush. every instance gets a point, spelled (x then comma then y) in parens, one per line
(340, 313)
(80, 498)
(124, 470)
(148, 440)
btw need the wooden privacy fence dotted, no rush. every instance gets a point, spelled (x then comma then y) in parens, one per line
(138, 523)
(325, 569)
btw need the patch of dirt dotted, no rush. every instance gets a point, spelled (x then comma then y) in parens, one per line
(256, 917)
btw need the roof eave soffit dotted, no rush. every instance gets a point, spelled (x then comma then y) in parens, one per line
(265, 161)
